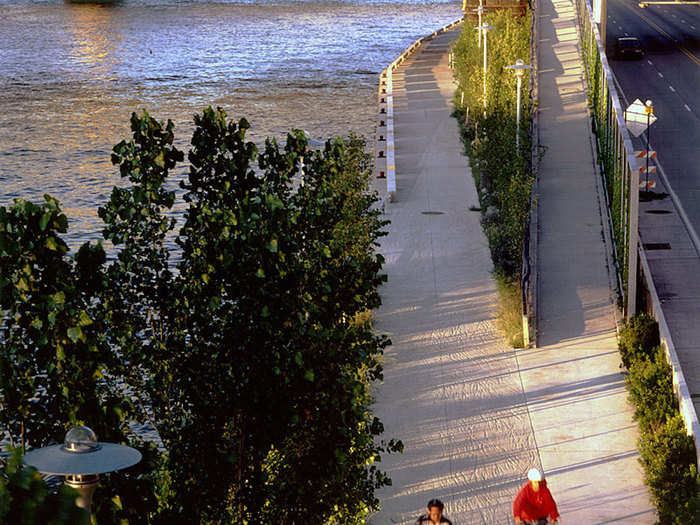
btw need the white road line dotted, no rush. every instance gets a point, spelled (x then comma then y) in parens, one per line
(692, 27)
(650, 63)
(620, 28)
(660, 75)
(674, 16)
(686, 107)
(671, 88)
(627, 34)
(682, 21)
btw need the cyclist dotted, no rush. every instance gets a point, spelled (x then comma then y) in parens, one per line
(534, 503)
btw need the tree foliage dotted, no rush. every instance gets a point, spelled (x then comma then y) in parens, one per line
(245, 351)
(502, 172)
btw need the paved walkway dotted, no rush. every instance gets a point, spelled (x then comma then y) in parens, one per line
(451, 387)
(583, 425)
(473, 414)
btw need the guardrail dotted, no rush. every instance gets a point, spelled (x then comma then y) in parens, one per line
(620, 168)
(528, 269)
(385, 150)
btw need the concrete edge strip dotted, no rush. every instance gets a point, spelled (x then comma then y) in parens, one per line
(685, 401)
(388, 107)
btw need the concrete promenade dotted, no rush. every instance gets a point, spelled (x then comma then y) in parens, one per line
(475, 415)
(583, 425)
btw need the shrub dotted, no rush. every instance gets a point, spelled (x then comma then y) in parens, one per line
(638, 339)
(668, 456)
(667, 452)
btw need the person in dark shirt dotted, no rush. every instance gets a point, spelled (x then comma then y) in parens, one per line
(434, 515)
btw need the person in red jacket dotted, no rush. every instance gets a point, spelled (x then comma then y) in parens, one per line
(534, 503)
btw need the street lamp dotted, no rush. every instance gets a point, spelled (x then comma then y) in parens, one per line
(81, 459)
(485, 28)
(519, 69)
(649, 110)
(481, 9)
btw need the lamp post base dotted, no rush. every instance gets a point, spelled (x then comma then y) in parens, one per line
(85, 485)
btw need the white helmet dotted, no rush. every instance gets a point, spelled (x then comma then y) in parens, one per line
(534, 475)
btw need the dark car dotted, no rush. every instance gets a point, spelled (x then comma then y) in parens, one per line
(628, 47)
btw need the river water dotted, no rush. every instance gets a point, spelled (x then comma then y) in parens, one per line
(71, 74)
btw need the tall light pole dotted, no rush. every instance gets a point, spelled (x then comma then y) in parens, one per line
(481, 9)
(485, 28)
(519, 69)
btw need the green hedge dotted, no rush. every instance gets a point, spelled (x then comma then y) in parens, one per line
(667, 451)
(501, 173)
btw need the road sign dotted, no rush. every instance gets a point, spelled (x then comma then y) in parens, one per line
(636, 118)
(643, 154)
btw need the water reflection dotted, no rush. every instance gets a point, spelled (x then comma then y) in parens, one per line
(72, 74)
(94, 43)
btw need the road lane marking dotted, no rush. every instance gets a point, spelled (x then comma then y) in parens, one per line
(692, 27)
(671, 88)
(650, 63)
(686, 107)
(659, 74)
(627, 34)
(620, 28)
(683, 49)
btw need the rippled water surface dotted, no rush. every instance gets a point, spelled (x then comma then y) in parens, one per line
(71, 74)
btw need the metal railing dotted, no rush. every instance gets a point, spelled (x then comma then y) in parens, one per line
(528, 277)
(616, 154)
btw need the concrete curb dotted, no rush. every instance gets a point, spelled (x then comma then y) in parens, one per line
(385, 163)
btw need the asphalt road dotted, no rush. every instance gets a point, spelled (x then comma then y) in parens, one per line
(668, 75)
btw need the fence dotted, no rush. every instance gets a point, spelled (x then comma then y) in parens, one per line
(616, 155)
(621, 174)
(385, 163)
(528, 278)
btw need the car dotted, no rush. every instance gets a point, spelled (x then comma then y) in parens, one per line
(628, 47)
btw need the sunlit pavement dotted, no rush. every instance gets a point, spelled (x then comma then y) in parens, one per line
(464, 404)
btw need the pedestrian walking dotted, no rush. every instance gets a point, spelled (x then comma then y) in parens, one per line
(534, 503)
(434, 515)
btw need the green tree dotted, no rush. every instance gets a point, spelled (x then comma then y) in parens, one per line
(249, 354)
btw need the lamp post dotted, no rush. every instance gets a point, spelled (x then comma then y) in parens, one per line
(519, 69)
(649, 109)
(485, 28)
(81, 459)
(480, 10)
